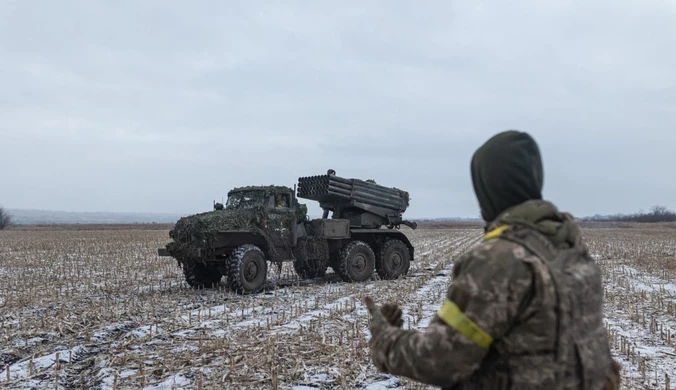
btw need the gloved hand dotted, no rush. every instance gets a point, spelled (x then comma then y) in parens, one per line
(381, 318)
(377, 316)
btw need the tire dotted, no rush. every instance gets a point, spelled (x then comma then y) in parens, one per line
(357, 262)
(247, 269)
(200, 275)
(393, 260)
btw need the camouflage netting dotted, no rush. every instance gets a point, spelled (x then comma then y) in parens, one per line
(205, 226)
(301, 209)
(200, 230)
(267, 189)
(285, 222)
(312, 256)
(312, 247)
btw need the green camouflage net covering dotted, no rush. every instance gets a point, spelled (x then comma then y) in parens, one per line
(201, 230)
(267, 190)
(205, 226)
(312, 256)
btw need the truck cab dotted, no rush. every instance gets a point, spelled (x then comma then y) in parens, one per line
(278, 214)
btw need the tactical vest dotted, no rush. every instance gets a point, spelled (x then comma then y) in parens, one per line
(579, 357)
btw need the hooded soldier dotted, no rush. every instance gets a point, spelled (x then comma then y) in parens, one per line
(525, 306)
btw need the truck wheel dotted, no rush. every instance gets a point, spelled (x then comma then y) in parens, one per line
(393, 260)
(357, 262)
(247, 269)
(200, 275)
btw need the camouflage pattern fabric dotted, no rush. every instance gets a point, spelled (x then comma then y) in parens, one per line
(200, 230)
(497, 328)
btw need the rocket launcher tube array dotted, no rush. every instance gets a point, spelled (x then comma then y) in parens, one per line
(327, 189)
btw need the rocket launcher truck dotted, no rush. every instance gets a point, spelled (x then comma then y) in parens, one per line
(258, 224)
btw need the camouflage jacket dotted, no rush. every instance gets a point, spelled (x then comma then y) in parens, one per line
(497, 329)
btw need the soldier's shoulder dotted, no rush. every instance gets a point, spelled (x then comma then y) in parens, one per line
(495, 253)
(493, 248)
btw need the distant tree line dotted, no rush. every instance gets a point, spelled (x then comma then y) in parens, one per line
(656, 214)
(5, 218)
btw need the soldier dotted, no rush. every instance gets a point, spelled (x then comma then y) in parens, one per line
(525, 306)
(325, 215)
(281, 201)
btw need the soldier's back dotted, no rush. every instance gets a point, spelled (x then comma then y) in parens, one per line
(557, 340)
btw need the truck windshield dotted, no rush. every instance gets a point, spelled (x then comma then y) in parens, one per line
(246, 200)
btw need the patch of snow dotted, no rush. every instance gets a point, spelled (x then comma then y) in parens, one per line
(31, 366)
(624, 316)
(171, 383)
(390, 383)
(650, 283)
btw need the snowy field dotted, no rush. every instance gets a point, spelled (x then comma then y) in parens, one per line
(99, 310)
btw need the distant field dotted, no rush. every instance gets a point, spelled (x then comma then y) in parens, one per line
(91, 226)
(421, 225)
(167, 226)
(119, 316)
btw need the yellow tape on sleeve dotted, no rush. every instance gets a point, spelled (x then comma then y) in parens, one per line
(456, 319)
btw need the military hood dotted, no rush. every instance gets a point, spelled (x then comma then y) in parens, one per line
(541, 215)
(506, 171)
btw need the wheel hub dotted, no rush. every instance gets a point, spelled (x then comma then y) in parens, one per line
(359, 263)
(396, 260)
(250, 271)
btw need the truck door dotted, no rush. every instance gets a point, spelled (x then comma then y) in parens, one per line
(281, 219)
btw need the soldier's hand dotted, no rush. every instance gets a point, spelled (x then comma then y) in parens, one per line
(378, 321)
(377, 317)
(392, 313)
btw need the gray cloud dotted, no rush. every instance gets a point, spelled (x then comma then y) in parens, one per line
(164, 106)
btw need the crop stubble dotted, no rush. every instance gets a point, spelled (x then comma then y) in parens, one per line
(118, 316)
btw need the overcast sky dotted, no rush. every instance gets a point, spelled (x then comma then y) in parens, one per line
(163, 106)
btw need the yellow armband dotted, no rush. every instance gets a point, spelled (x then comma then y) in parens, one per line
(495, 232)
(451, 314)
